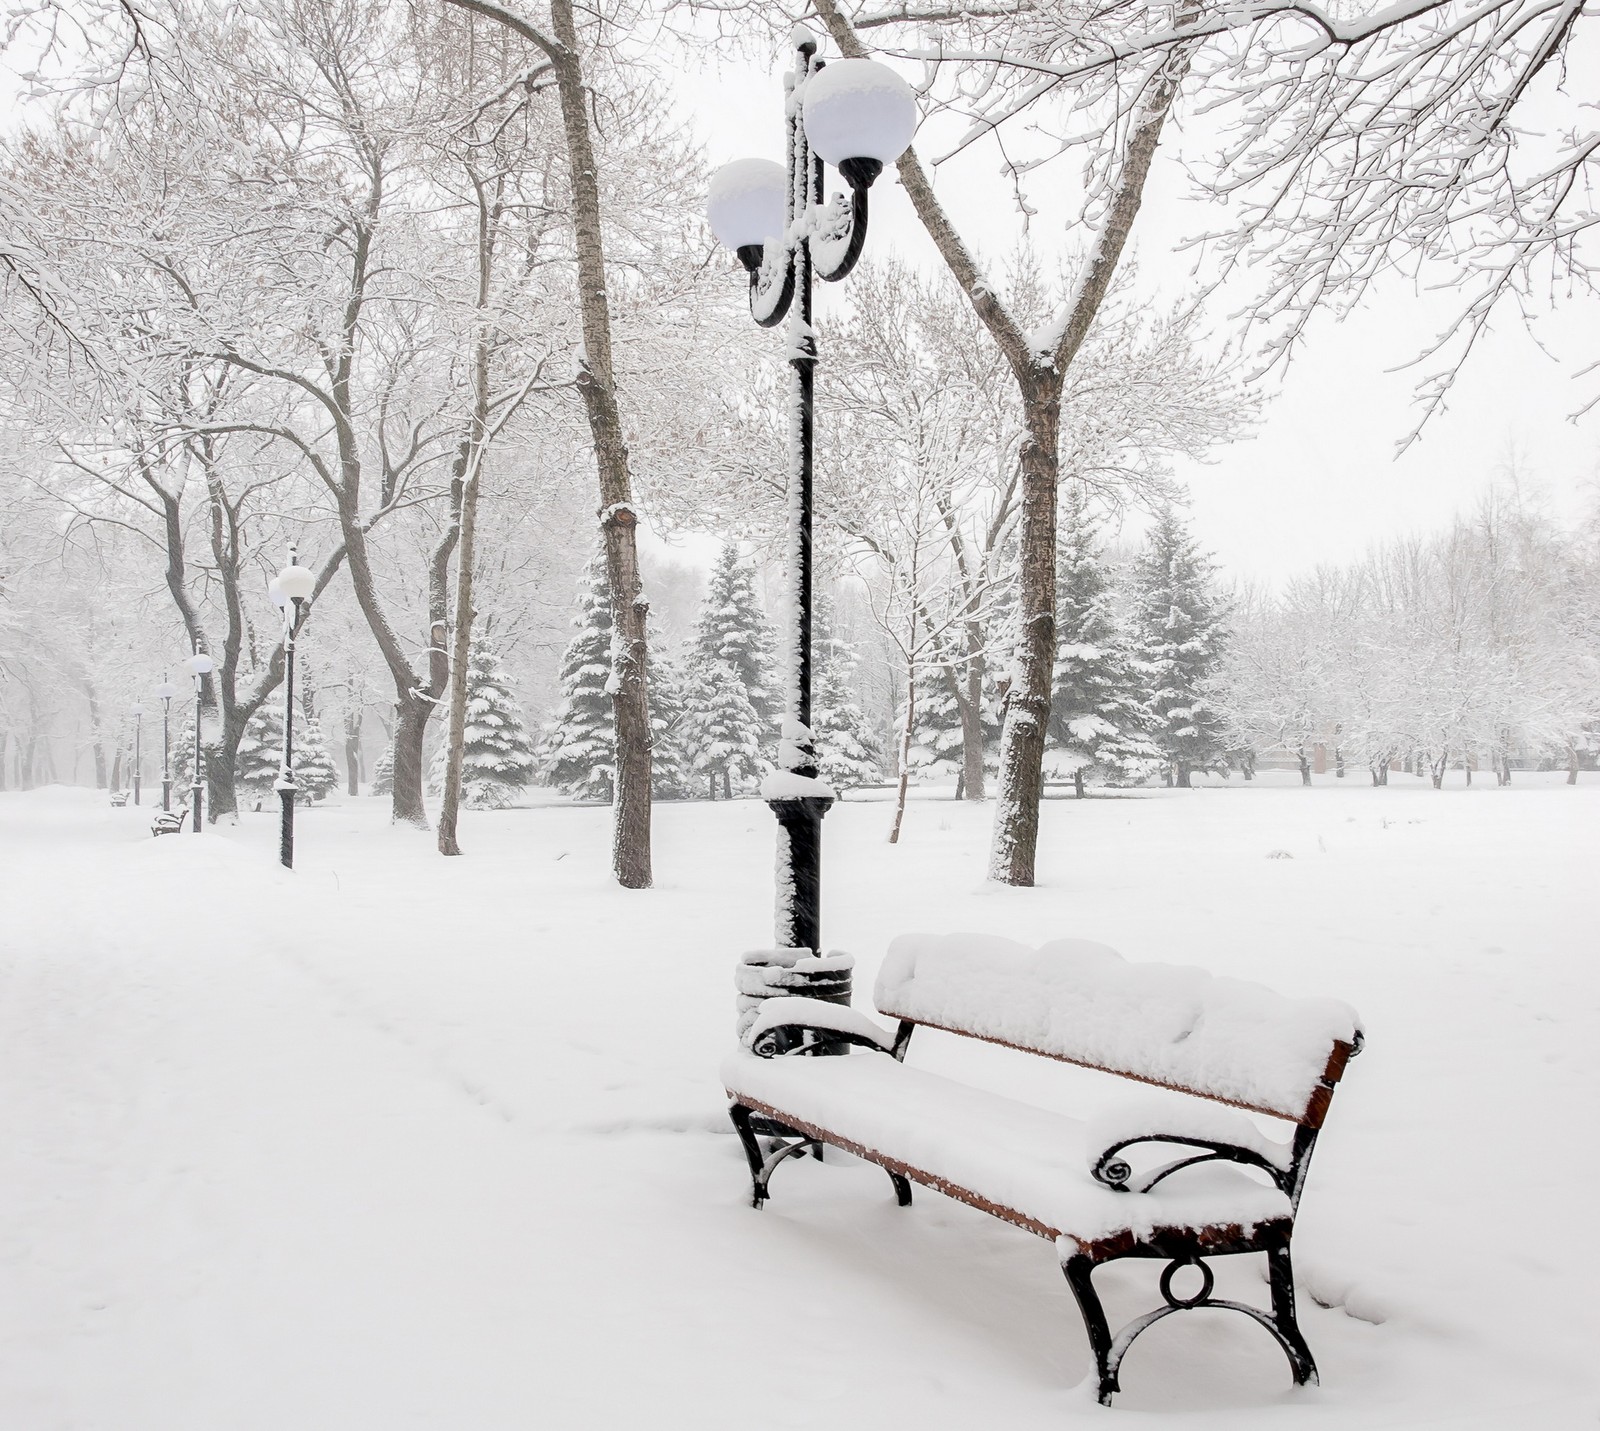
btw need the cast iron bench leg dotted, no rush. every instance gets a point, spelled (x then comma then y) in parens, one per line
(1280, 1275)
(1078, 1271)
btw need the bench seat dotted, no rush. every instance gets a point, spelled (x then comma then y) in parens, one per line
(1020, 1163)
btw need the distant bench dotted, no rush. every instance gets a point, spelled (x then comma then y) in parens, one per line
(1071, 1181)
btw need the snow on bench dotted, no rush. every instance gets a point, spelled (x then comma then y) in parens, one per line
(1070, 1179)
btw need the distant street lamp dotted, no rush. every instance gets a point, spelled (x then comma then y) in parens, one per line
(166, 691)
(199, 666)
(291, 590)
(137, 712)
(857, 115)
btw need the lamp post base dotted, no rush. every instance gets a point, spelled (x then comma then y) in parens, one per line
(799, 914)
(286, 828)
(196, 799)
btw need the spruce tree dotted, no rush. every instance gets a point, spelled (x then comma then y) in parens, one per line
(1098, 721)
(732, 632)
(578, 749)
(722, 733)
(260, 756)
(314, 774)
(383, 771)
(671, 763)
(849, 752)
(497, 757)
(935, 726)
(1179, 631)
(732, 647)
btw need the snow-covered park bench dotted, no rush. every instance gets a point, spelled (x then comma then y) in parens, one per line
(1220, 1187)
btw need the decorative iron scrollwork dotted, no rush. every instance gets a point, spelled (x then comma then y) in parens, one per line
(1114, 1171)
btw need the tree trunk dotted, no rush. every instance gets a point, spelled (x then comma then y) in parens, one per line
(470, 459)
(411, 726)
(1305, 769)
(969, 703)
(1077, 782)
(352, 749)
(1572, 765)
(903, 765)
(1338, 762)
(630, 846)
(1439, 767)
(1183, 780)
(727, 784)
(1016, 824)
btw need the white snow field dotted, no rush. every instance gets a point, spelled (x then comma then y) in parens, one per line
(401, 1142)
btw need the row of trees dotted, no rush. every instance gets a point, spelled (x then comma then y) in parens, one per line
(713, 709)
(1475, 647)
(376, 277)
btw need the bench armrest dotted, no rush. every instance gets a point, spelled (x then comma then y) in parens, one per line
(833, 1023)
(1219, 1134)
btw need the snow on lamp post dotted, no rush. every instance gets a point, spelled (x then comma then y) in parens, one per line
(857, 115)
(137, 712)
(199, 666)
(166, 691)
(291, 590)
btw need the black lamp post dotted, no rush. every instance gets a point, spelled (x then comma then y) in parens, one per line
(291, 589)
(166, 691)
(199, 666)
(857, 115)
(137, 712)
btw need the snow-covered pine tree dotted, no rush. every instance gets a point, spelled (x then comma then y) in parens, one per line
(497, 757)
(314, 775)
(383, 771)
(723, 733)
(849, 751)
(260, 757)
(935, 727)
(732, 631)
(578, 750)
(1179, 631)
(1098, 722)
(671, 764)
(182, 761)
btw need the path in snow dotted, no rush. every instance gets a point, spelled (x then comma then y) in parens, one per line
(397, 1142)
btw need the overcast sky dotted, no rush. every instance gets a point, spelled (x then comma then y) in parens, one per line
(1322, 478)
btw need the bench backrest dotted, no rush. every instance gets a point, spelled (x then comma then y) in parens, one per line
(1167, 1024)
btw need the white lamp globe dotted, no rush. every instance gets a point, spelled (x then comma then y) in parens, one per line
(297, 583)
(166, 691)
(745, 202)
(276, 593)
(136, 709)
(199, 664)
(859, 109)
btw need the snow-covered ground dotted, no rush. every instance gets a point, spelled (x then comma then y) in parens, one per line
(399, 1142)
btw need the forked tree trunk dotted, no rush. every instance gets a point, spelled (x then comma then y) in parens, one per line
(1039, 377)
